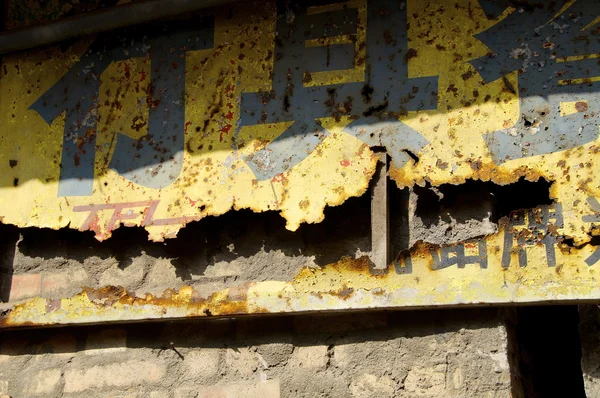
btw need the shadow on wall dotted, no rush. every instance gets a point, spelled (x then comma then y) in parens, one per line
(221, 332)
(257, 243)
(545, 344)
(8, 241)
(466, 201)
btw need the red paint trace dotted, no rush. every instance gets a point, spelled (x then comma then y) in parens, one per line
(124, 213)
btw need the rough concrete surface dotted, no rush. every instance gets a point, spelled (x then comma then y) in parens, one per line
(432, 220)
(397, 354)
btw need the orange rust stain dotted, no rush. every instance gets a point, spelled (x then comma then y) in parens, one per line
(108, 296)
(227, 308)
(235, 299)
(344, 292)
(480, 171)
(279, 178)
(581, 106)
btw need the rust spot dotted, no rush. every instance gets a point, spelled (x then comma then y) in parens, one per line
(388, 38)
(107, 295)
(441, 165)
(138, 122)
(344, 292)
(304, 204)
(452, 88)
(467, 75)
(581, 106)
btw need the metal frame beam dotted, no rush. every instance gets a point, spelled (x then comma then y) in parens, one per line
(380, 241)
(100, 21)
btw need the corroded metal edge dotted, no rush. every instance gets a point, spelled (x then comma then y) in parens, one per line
(418, 279)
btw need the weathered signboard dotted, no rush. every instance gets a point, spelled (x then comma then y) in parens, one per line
(165, 124)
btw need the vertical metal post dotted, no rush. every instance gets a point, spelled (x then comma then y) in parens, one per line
(380, 243)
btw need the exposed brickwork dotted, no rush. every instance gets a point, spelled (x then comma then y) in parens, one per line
(120, 374)
(57, 283)
(45, 382)
(401, 354)
(25, 286)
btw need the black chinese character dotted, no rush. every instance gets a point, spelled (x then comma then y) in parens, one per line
(455, 255)
(553, 46)
(540, 222)
(403, 263)
(595, 205)
(155, 160)
(375, 104)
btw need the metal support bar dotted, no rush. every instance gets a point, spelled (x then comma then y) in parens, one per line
(100, 21)
(380, 243)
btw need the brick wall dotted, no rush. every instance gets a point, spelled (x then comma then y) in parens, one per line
(397, 354)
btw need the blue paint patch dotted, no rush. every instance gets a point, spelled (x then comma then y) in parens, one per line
(155, 160)
(376, 104)
(531, 41)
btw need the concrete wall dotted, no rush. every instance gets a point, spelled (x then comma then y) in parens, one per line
(461, 353)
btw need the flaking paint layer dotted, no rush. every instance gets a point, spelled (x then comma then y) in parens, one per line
(238, 134)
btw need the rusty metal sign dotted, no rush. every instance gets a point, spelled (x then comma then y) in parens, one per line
(161, 125)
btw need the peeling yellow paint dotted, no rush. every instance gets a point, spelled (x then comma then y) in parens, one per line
(215, 179)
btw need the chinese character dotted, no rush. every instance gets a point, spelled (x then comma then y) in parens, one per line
(461, 255)
(403, 263)
(126, 214)
(555, 58)
(593, 202)
(155, 160)
(540, 223)
(302, 49)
